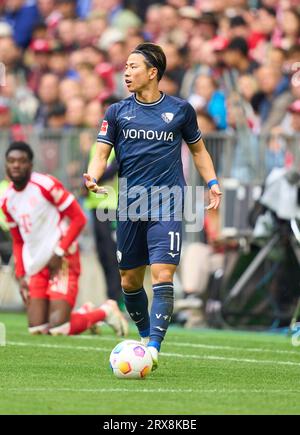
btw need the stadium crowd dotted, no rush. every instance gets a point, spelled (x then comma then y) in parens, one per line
(64, 59)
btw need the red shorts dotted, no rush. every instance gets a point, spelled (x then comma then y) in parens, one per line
(63, 286)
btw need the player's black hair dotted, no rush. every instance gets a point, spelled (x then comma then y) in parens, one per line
(154, 57)
(239, 44)
(237, 20)
(269, 10)
(20, 146)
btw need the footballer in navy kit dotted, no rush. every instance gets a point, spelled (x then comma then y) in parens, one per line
(146, 131)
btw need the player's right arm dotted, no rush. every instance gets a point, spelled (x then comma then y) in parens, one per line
(97, 167)
(19, 266)
(17, 252)
(105, 142)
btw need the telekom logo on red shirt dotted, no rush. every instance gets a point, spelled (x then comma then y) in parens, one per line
(26, 223)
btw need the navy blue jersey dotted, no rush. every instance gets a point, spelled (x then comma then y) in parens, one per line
(147, 139)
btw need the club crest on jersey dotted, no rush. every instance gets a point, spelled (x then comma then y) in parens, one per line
(168, 117)
(104, 128)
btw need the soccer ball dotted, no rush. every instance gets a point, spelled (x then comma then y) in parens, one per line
(130, 360)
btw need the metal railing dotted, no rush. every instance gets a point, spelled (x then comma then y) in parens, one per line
(239, 155)
(240, 158)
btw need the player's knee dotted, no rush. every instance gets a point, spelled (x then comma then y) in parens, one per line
(163, 275)
(57, 318)
(129, 282)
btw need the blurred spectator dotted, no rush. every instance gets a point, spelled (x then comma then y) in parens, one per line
(278, 153)
(39, 51)
(6, 119)
(238, 27)
(48, 13)
(206, 122)
(263, 25)
(97, 24)
(189, 17)
(170, 27)
(117, 56)
(59, 64)
(94, 88)
(67, 8)
(11, 56)
(294, 109)
(292, 59)
(236, 56)
(68, 89)
(40, 31)
(75, 112)
(84, 8)
(48, 96)
(56, 119)
(248, 89)
(83, 34)
(208, 97)
(199, 262)
(208, 25)
(117, 15)
(168, 85)
(276, 97)
(93, 114)
(246, 155)
(178, 3)
(142, 8)
(201, 60)
(22, 17)
(276, 58)
(152, 28)
(6, 30)
(295, 88)
(175, 66)
(267, 20)
(290, 26)
(66, 34)
(22, 101)
(133, 40)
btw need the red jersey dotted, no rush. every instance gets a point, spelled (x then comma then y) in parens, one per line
(41, 216)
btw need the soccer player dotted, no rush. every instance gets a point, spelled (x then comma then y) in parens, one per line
(146, 131)
(45, 221)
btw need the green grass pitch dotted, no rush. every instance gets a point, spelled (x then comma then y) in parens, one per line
(200, 372)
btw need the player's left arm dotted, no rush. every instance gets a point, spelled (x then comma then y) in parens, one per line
(68, 207)
(205, 167)
(193, 137)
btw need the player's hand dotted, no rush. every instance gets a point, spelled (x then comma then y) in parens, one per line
(55, 265)
(93, 186)
(24, 290)
(215, 196)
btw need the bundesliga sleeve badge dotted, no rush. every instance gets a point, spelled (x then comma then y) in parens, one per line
(104, 128)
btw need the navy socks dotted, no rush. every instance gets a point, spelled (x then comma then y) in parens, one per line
(161, 312)
(137, 306)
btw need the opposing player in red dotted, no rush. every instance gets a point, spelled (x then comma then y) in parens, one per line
(45, 221)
